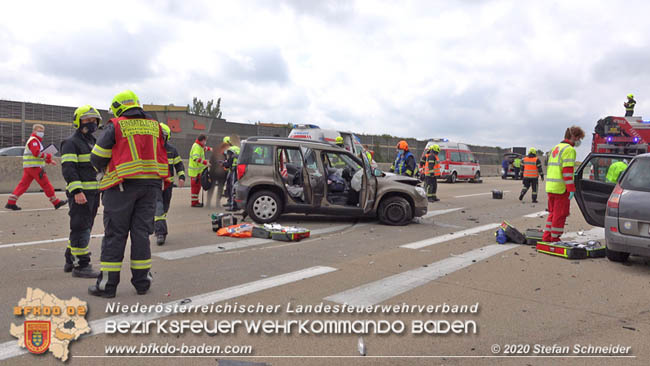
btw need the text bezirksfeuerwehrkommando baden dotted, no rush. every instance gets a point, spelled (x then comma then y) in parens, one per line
(289, 308)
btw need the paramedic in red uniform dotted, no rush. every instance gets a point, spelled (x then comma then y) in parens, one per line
(132, 157)
(34, 160)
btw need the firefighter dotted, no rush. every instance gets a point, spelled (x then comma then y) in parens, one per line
(232, 156)
(131, 158)
(559, 182)
(228, 153)
(516, 165)
(404, 163)
(430, 169)
(82, 190)
(198, 163)
(532, 170)
(165, 197)
(34, 160)
(629, 105)
(614, 171)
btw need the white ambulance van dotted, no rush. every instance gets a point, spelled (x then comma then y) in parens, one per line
(313, 132)
(456, 161)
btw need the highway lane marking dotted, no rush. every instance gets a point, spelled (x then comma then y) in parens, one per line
(440, 212)
(447, 237)
(386, 288)
(11, 349)
(242, 243)
(35, 209)
(476, 194)
(537, 214)
(43, 241)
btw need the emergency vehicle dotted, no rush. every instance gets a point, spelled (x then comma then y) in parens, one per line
(619, 135)
(313, 132)
(456, 161)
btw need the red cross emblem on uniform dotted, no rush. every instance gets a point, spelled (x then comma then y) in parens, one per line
(556, 151)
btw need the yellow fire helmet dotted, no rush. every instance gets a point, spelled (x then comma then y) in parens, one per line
(533, 151)
(435, 148)
(123, 101)
(631, 96)
(339, 140)
(85, 111)
(226, 140)
(167, 132)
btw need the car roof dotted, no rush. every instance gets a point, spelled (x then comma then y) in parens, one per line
(285, 140)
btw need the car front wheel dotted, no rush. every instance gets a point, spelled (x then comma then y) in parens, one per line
(264, 207)
(616, 256)
(395, 211)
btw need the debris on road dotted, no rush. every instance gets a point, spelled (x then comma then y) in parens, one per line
(497, 194)
(361, 346)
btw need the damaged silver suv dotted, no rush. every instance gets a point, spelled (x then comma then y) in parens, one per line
(280, 175)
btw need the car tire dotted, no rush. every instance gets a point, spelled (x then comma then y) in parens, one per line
(395, 211)
(453, 178)
(477, 177)
(264, 207)
(616, 256)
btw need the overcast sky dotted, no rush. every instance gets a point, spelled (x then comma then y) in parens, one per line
(498, 73)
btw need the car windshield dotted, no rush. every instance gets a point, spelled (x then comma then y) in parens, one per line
(638, 176)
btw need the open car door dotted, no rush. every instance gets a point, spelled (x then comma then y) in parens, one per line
(593, 186)
(368, 185)
(313, 179)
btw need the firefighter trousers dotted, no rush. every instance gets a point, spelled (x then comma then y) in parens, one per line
(29, 175)
(431, 186)
(195, 188)
(127, 213)
(517, 171)
(82, 218)
(558, 210)
(162, 207)
(528, 183)
(229, 184)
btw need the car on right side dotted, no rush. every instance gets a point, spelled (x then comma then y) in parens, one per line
(617, 201)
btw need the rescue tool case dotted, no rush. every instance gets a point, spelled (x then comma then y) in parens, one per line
(533, 236)
(497, 194)
(513, 234)
(573, 250)
(223, 220)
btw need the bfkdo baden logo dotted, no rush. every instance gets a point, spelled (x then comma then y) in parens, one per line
(37, 335)
(50, 323)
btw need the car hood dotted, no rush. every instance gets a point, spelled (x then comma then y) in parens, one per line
(399, 178)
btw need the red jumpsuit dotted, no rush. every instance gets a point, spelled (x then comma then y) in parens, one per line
(33, 170)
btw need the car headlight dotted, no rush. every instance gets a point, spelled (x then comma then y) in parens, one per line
(421, 192)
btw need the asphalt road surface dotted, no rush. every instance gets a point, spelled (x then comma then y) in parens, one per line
(529, 303)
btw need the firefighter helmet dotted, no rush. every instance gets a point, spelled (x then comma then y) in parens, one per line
(226, 140)
(435, 148)
(630, 95)
(123, 101)
(402, 145)
(339, 140)
(167, 132)
(86, 111)
(533, 151)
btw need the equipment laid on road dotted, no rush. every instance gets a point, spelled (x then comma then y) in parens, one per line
(533, 236)
(573, 250)
(501, 236)
(222, 220)
(244, 230)
(279, 232)
(497, 194)
(513, 235)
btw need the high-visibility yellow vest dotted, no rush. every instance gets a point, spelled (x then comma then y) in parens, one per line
(29, 160)
(561, 156)
(615, 171)
(197, 152)
(517, 163)
(530, 167)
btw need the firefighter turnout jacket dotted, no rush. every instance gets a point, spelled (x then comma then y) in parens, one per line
(559, 174)
(430, 164)
(77, 170)
(404, 164)
(175, 163)
(131, 147)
